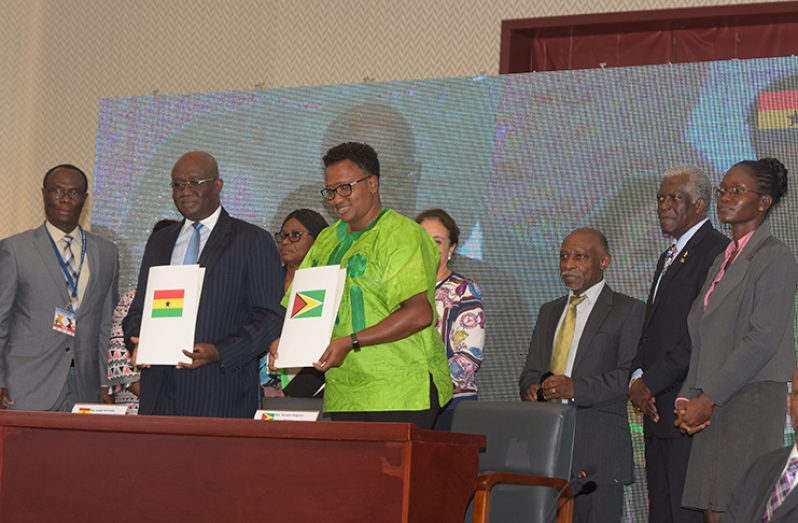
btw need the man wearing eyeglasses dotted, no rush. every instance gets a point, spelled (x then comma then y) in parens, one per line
(58, 289)
(239, 312)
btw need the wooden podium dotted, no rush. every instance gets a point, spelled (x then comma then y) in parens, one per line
(146, 469)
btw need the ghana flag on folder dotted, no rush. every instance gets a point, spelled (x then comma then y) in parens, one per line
(778, 110)
(168, 303)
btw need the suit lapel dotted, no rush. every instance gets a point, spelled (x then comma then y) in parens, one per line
(600, 311)
(165, 248)
(737, 271)
(95, 268)
(217, 242)
(774, 473)
(681, 259)
(44, 246)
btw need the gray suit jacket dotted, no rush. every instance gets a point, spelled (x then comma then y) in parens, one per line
(745, 334)
(752, 493)
(601, 378)
(35, 359)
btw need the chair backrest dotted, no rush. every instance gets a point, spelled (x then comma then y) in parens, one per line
(525, 438)
(288, 403)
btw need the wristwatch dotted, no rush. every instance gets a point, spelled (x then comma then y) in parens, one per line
(355, 342)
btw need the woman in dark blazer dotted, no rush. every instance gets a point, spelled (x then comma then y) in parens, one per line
(741, 328)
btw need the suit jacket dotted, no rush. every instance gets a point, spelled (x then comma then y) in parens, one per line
(35, 358)
(600, 375)
(664, 350)
(746, 333)
(749, 498)
(239, 312)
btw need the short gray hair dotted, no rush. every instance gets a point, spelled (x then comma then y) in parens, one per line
(698, 185)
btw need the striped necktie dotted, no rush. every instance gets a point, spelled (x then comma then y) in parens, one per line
(69, 262)
(564, 337)
(781, 490)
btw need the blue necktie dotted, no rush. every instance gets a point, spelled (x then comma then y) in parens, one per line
(192, 253)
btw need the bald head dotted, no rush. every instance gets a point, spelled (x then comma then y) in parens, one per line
(196, 185)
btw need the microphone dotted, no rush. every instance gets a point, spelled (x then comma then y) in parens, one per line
(543, 378)
(583, 478)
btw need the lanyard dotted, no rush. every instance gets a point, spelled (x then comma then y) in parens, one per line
(73, 285)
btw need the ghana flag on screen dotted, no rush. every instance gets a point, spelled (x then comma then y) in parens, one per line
(778, 110)
(168, 303)
(308, 304)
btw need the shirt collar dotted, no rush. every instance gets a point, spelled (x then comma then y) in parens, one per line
(209, 222)
(684, 238)
(592, 293)
(57, 234)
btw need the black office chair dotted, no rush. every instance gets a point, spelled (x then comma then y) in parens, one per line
(288, 403)
(527, 460)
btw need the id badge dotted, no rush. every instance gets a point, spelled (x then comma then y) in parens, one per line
(65, 321)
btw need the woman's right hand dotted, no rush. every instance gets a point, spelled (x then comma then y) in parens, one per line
(273, 354)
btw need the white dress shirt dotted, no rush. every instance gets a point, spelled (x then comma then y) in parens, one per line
(181, 245)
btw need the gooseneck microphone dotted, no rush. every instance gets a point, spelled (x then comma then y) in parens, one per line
(583, 478)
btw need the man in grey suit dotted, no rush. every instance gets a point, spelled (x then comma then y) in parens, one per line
(58, 288)
(755, 496)
(586, 341)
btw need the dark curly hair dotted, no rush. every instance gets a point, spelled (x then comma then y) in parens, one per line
(310, 219)
(443, 217)
(361, 154)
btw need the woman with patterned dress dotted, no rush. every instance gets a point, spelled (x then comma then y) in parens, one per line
(461, 317)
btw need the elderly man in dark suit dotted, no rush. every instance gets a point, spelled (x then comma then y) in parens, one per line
(239, 312)
(767, 491)
(58, 289)
(587, 340)
(663, 356)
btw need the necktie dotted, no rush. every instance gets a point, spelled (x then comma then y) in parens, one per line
(564, 337)
(670, 254)
(781, 490)
(69, 261)
(192, 253)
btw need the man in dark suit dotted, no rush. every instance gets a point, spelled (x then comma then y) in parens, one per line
(587, 340)
(239, 312)
(58, 289)
(663, 355)
(767, 491)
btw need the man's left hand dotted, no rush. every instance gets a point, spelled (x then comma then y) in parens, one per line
(334, 355)
(105, 397)
(642, 398)
(204, 353)
(558, 388)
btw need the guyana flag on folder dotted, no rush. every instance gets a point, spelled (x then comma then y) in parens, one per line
(778, 110)
(168, 303)
(308, 304)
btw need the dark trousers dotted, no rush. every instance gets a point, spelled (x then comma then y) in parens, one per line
(602, 505)
(666, 467)
(423, 419)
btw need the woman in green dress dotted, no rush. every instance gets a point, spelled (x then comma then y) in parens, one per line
(386, 361)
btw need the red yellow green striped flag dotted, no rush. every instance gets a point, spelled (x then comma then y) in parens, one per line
(778, 110)
(168, 303)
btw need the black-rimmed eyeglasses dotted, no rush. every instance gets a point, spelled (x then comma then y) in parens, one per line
(293, 236)
(344, 189)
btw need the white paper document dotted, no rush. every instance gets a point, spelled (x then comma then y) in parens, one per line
(310, 316)
(170, 314)
(99, 408)
(286, 415)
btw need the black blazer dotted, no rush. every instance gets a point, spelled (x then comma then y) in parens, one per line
(600, 374)
(239, 312)
(664, 350)
(749, 498)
